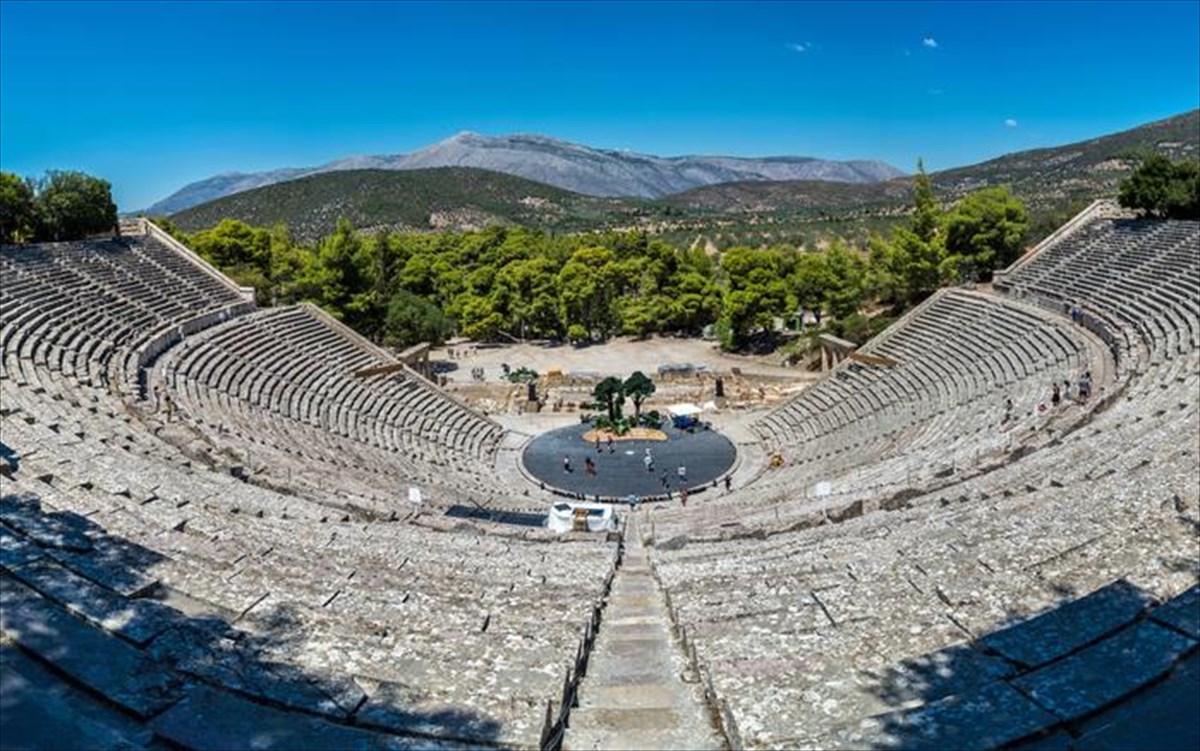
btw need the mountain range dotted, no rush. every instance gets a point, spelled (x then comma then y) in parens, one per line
(1050, 180)
(561, 164)
(1046, 178)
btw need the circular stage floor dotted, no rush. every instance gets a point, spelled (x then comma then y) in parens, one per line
(705, 454)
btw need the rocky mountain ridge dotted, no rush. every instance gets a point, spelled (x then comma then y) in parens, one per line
(561, 164)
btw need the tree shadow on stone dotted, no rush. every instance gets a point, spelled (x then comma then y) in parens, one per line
(971, 695)
(84, 606)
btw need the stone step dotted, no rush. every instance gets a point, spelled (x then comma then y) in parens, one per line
(638, 729)
(123, 674)
(210, 719)
(1068, 627)
(638, 618)
(633, 696)
(1114, 667)
(628, 719)
(630, 696)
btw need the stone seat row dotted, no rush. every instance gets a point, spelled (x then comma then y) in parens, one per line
(316, 387)
(293, 452)
(47, 572)
(860, 415)
(1018, 601)
(934, 369)
(877, 607)
(86, 307)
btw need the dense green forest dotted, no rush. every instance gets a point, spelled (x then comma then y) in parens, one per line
(505, 282)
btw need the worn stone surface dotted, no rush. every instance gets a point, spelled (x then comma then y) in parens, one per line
(1069, 625)
(206, 652)
(211, 720)
(1182, 613)
(635, 695)
(408, 709)
(137, 620)
(1166, 716)
(16, 549)
(1059, 740)
(65, 531)
(118, 566)
(104, 663)
(40, 711)
(1116, 666)
(990, 717)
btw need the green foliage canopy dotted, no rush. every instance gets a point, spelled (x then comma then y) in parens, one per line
(1162, 188)
(60, 206)
(411, 319)
(505, 282)
(639, 388)
(986, 230)
(18, 218)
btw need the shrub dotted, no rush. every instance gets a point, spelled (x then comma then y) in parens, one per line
(577, 334)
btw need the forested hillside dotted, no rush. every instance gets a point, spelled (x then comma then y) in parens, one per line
(455, 198)
(499, 282)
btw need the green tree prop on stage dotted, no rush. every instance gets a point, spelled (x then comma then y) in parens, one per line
(611, 394)
(638, 388)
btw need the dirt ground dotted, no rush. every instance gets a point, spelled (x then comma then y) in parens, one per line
(750, 382)
(620, 356)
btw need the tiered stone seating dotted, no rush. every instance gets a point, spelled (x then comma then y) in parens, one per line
(871, 431)
(280, 384)
(1011, 605)
(960, 349)
(1137, 282)
(805, 630)
(87, 309)
(403, 629)
(239, 576)
(214, 610)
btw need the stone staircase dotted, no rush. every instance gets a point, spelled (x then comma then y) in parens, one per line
(640, 692)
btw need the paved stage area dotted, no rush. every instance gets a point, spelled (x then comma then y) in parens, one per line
(705, 454)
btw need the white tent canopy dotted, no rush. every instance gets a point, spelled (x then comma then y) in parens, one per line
(685, 409)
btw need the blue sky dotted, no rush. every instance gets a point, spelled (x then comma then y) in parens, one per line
(152, 96)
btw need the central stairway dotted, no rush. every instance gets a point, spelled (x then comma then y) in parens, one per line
(637, 693)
